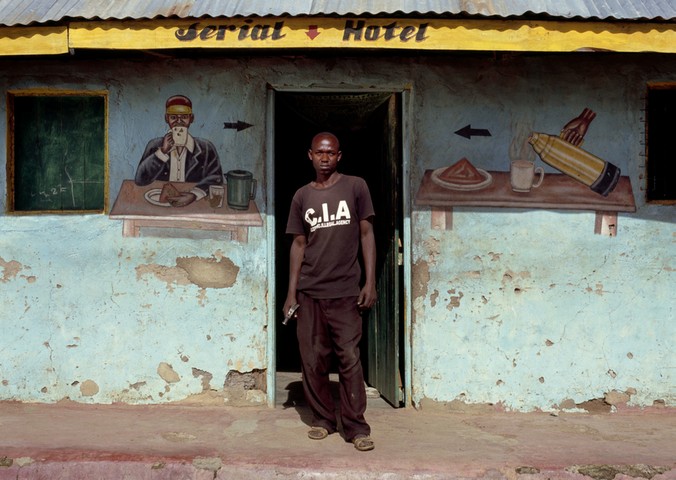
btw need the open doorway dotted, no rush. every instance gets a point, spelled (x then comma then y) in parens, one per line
(369, 128)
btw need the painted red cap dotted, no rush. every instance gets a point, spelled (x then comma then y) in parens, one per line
(179, 105)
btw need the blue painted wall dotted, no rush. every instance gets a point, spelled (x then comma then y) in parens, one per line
(524, 308)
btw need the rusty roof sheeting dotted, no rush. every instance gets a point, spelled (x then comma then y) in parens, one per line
(27, 12)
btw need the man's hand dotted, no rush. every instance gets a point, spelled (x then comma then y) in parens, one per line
(288, 305)
(185, 198)
(367, 297)
(575, 130)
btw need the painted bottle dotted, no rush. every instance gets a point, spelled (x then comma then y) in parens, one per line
(597, 174)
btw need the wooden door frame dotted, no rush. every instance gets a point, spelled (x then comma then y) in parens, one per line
(271, 224)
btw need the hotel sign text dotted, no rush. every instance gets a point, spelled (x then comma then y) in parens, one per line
(352, 31)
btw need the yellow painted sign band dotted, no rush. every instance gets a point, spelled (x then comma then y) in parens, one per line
(34, 40)
(400, 33)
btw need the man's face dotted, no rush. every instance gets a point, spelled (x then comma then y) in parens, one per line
(179, 119)
(325, 155)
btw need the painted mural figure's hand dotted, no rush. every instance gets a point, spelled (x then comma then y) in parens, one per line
(167, 143)
(185, 198)
(575, 130)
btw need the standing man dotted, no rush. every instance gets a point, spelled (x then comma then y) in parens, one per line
(330, 218)
(180, 157)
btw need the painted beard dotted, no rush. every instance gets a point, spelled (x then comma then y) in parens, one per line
(180, 136)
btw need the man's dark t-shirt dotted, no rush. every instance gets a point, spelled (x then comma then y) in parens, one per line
(329, 218)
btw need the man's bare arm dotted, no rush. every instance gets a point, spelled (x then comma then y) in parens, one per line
(296, 256)
(367, 296)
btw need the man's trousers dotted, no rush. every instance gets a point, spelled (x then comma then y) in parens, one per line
(326, 327)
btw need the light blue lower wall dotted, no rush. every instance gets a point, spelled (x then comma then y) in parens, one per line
(526, 309)
(534, 309)
(82, 303)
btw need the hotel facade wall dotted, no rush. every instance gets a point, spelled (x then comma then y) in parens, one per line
(527, 309)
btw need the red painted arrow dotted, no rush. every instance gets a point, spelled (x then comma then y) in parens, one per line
(312, 32)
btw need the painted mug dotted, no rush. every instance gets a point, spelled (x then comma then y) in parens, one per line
(241, 188)
(522, 175)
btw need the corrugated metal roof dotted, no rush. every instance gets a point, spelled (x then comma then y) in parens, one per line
(25, 12)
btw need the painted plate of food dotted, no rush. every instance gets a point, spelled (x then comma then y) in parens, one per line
(161, 196)
(462, 175)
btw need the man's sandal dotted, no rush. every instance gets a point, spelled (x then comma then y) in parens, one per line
(363, 443)
(318, 433)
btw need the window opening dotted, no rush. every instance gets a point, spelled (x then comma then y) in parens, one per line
(57, 161)
(661, 162)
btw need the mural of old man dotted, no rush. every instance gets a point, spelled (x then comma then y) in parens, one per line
(180, 157)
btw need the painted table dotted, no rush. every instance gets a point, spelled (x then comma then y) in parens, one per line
(557, 192)
(135, 210)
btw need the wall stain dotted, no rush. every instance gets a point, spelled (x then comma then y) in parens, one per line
(202, 297)
(455, 299)
(615, 397)
(9, 269)
(203, 272)
(167, 373)
(433, 297)
(432, 246)
(420, 279)
(209, 272)
(205, 378)
(170, 275)
(89, 388)
(595, 405)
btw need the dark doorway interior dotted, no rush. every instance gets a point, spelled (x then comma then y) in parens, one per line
(358, 119)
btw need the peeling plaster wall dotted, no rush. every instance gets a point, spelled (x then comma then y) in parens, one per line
(532, 330)
(527, 309)
(111, 311)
